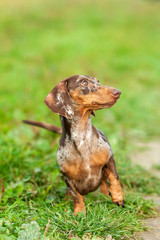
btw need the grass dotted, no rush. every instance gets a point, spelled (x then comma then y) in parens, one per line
(43, 42)
(156, 166)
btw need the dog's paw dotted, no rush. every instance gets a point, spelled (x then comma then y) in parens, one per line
(120, 203)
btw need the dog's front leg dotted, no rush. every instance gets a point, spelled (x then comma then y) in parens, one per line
(78, 199)
(104, 185)
(115, 186)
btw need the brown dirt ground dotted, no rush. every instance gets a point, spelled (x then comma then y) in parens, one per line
(148, 156)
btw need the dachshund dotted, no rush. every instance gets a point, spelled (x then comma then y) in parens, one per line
(85, 156)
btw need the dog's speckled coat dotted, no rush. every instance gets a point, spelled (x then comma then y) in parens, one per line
(84, 155)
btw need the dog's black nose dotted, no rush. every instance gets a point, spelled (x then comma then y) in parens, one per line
(116, 93)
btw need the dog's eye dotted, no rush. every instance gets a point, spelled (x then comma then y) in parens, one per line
(84, 83)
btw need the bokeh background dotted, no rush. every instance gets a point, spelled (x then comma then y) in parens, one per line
(43, 42)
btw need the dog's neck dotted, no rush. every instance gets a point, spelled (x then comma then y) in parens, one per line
(79, 129)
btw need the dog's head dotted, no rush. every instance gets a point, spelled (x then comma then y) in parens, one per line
(80, 91)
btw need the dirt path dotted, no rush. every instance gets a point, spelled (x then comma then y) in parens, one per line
(147, 158)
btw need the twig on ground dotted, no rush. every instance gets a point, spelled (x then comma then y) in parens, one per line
(47, 227)
(2, 189)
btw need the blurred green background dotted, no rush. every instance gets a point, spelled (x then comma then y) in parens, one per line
(43, 42)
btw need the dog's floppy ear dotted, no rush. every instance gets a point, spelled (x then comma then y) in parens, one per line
(59, 101)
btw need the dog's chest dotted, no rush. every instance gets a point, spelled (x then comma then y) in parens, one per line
(83, 158)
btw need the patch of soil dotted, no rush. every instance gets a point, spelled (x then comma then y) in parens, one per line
(149, 156)
(153, 232)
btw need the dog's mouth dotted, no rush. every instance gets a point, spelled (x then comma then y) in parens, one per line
(112, 102)
(105, 105)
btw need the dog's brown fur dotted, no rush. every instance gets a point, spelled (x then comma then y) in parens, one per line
(84, 155)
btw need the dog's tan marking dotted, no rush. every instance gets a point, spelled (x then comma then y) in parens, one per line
(102, 96)
(79, 204)
(115, 188)
(75, 171)
(99, 158)
(104, 188)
